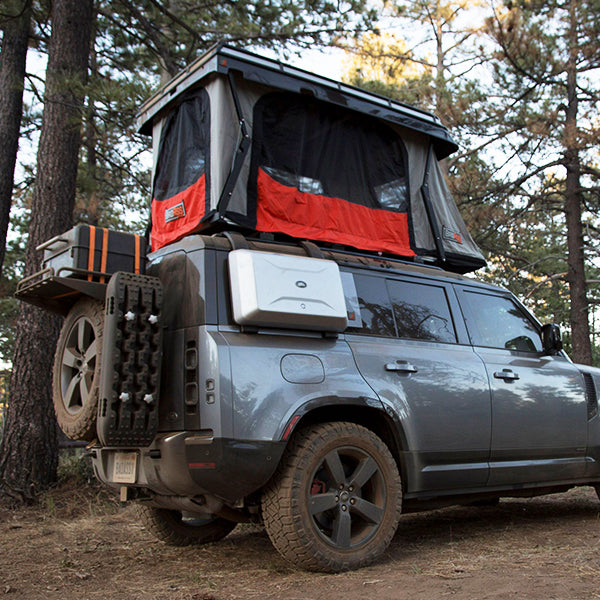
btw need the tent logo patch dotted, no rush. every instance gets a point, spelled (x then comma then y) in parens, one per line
(451, 236)
(175, 212)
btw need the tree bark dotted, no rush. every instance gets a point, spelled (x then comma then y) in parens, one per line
(580, 328)
(29, 447)
(15, 40)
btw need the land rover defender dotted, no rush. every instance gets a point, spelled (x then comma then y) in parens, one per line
(300, 347)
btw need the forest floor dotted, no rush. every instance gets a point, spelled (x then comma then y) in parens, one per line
(79, 543)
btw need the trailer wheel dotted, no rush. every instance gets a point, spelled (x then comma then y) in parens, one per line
(173, 528)
(76, 373)
(335, 501)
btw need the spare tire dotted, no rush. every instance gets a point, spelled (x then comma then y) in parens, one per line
(76, 373)
(176, 529)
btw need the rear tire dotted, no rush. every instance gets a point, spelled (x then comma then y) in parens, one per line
(335, 501)
(76, 371)
(171, 527)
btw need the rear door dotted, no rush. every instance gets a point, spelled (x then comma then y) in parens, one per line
(413, 351)
(539, 409)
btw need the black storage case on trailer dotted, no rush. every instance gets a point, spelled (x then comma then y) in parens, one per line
(79, 263)
(91, 252)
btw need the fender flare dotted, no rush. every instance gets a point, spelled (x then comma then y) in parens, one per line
(392, 419)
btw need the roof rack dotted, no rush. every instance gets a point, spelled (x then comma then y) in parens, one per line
(354, 256)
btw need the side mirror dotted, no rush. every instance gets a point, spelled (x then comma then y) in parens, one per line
(551, 339)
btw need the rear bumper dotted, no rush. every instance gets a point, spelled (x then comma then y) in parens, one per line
(190, 464)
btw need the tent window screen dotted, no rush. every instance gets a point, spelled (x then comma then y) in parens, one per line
(328, 173)
(180, 184)
(183, 148)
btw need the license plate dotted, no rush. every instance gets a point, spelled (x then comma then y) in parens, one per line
(124, 467)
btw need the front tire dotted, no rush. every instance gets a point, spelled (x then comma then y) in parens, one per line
(335, 501)
(171, 527)
(76, 371)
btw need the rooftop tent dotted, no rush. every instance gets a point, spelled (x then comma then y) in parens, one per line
(240, 140)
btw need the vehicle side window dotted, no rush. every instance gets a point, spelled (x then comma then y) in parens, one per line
(497, 322)
(375, 308)
(421, 311)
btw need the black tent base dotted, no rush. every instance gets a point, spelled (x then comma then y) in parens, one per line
(454, 263)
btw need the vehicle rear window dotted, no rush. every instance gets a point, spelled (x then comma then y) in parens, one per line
(421, 311)
(376, 314)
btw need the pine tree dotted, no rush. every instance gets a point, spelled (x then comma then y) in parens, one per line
(15, 19)
(28, 449)
(168, 34)
(547, 64)
(426, 58)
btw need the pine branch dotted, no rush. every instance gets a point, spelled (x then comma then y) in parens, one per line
(550, 278)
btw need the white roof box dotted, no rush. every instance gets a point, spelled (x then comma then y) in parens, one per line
(291, 292)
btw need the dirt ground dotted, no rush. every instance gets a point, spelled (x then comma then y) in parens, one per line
(84, 546)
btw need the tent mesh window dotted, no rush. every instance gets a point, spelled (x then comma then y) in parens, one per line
(181, 182)
(328, 173)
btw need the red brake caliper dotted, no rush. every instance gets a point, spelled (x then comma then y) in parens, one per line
(317, 487)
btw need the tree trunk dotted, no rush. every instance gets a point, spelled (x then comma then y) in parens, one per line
(92, 207)
(580, 328)
(29, 447)
(12, 76)
(440, 75)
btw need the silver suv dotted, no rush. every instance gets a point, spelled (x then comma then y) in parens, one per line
(320, 392)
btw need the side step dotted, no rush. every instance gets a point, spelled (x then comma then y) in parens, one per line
(131, 361)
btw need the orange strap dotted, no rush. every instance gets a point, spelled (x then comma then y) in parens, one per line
(137, 254)
(104, 253)
(65, 295)
(91, 251)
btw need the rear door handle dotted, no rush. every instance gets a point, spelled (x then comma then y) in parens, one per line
(401, 366)
(506, 374)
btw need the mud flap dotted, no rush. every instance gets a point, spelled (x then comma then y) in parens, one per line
(131, 361)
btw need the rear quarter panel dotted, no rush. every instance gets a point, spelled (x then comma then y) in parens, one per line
(273, 376)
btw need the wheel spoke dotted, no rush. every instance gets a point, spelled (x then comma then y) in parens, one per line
(342, 529)
(89, 379)
(333, 464)
(367, 510)
(70, 397)
(321, 502)
(69, 357)
(83, 391)
(81, 327)
(364, 471)
(90, 353)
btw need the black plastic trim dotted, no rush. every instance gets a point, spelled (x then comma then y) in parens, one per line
(241, 153)
(590, 396)
(232, 469)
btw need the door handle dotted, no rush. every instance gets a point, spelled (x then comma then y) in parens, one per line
(401, 366)
(506, 374)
